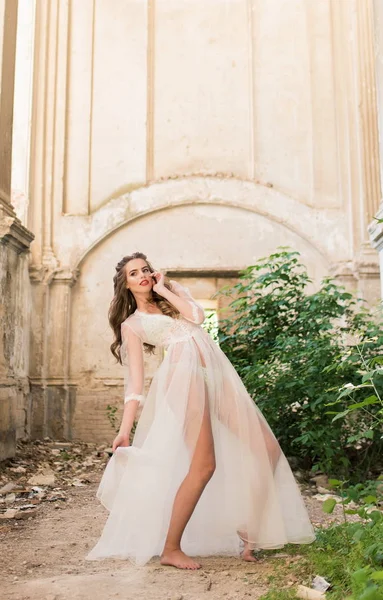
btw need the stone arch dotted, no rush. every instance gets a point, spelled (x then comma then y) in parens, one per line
(306, 222)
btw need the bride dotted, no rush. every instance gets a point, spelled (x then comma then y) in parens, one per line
(204, 467)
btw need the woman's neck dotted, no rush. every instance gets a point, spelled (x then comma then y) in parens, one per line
(145, 304)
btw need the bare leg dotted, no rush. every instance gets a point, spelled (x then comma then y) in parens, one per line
(200, 472)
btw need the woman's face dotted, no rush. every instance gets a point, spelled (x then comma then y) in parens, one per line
(138, 276)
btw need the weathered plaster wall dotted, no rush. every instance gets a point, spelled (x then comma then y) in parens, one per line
(206, 134)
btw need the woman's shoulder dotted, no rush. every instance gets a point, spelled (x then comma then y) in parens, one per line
(131, 326)
(129, 321)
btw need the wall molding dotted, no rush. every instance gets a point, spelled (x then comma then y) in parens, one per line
(305, 221)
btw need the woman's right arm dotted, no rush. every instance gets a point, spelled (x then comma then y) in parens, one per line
(133, 362)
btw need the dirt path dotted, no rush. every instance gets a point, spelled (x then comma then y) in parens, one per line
(42, 558)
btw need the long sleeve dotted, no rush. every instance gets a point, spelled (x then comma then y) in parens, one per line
(196, 313)
(133, 363)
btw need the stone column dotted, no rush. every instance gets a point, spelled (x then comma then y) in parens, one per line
(15, 240)
(60, 392)
(376, 238)
(368, 262)
(53, 395)
(48, 128)
(11, 228)
(51, 391)
(8, 25)
(22, 108)
(358, 147)
(376, 228)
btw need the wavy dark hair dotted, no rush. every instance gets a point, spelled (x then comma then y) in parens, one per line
(124, 304)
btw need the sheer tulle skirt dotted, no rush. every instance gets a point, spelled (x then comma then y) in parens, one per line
(252, 495)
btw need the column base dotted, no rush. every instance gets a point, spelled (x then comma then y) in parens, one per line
(360, 276)
(7, 424)
(52, 410)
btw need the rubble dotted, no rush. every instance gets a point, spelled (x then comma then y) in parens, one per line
(10, 513)
(8, 487)
(322, 490)
(323, 497)
(44, 478)
(26, 514)
(320, 584)
(42, 470)
(321, 480)
(19, 469)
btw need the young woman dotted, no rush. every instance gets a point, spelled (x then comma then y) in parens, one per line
(204, 465)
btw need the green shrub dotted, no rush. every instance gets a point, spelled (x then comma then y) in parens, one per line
(292, 351)
(352, 568)
(351, 562)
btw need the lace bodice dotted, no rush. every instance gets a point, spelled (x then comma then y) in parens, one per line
(161, 330)
(158, 330)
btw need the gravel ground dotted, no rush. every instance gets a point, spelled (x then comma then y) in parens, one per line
(42, 546)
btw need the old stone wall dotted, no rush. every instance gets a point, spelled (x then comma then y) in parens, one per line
(14, 325)
(205, 134)
(15, 303)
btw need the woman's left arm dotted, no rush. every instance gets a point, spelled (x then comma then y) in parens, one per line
(181, 299)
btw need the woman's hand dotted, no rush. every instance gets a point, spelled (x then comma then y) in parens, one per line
(159, 279)
(122, 439)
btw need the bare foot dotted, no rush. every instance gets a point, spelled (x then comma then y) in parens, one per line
(248, 555)
(178, 559)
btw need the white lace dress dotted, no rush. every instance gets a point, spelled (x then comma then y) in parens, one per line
(252, 495)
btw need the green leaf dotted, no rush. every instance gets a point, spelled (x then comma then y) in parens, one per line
(345, 392)
(377, 576)
(361, 575)
(340, 415)
(370, 400)
(371, 593)
(329, 505)
(335, 482)
(370, 500)
(367, 376)
(358, 535)
(376, 516)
